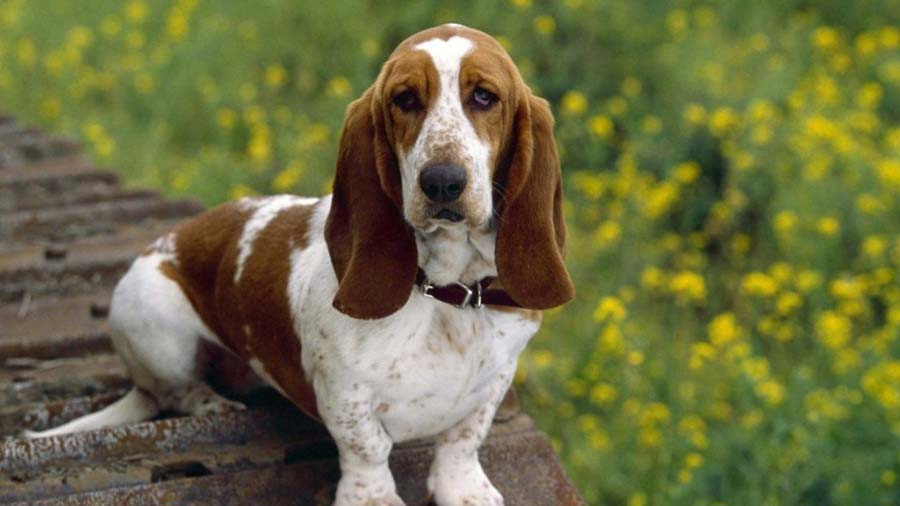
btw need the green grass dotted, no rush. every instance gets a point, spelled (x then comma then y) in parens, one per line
(732, 175)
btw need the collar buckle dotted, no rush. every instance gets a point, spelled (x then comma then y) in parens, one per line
(428, 291)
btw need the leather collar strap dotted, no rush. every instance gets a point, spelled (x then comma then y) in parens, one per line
(463, 296)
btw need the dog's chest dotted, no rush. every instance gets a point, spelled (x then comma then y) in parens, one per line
(434, 365)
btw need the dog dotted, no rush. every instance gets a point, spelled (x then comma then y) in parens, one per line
(394, 308)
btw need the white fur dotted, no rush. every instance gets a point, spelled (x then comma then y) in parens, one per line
(447, 129)
(263, 213)
(451, 252)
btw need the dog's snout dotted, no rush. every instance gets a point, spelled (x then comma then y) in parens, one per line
(443, 183)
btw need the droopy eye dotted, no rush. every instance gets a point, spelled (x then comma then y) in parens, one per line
(482, 98)
(407, 101)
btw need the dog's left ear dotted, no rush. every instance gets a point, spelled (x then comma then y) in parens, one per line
(532, 232)
(372, 248)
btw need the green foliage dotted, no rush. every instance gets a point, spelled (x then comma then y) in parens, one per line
(732, 175)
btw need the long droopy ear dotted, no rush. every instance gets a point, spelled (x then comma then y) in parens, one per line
(372, 248)
(532, 233)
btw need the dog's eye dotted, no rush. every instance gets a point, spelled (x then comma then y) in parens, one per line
(482, 98)
(407, 101)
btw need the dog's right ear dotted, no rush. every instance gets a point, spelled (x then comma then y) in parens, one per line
(372, 248)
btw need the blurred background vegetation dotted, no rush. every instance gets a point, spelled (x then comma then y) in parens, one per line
(732, 174)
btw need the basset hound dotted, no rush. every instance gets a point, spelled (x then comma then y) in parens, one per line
(391, 310)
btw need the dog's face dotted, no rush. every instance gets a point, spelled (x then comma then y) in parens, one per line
(447, 99)
(448, 136)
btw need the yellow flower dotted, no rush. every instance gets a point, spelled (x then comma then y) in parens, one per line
(788, 302)
(144, 83)
(654, 413)
(136, 11)
(521, 4)
(638, 499)
(574, 102)
(826, 37)
(611, 340)
(544, 25)
(601, 126)
(785, 221)
(240, 191)
(888, 477)
(808, 280)
(869, 204)
(685, 476)
(695, 114)
(259, 148)
(874, 245)
(869, 96)
(339, 86)
(80, 37)
(676, 22)
(759, 284)
(288, 178)
(26, 52)
(866, 43)
(650, 437)
(661, 199)
(759, 42)
(651, 124)
(833, 329)
(226, 118)
(771, 391)
(688, 285)
(828, 226)
(610, 307)
(110, 26)
(631, 86)
(50, 108)
(617, 106)
(542, 358)
(652, 277)
(723, 329)
(603, 393)
(686, 172)
(177, 24)
(693, 460)
(134, 40)
(847, 288)
(722, 121)
(889, 172)
(275, 75)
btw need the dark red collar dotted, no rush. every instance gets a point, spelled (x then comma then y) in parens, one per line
(463, 296)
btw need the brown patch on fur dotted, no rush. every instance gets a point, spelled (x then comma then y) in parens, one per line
(532, 233)
(206, 263)
(372, 248)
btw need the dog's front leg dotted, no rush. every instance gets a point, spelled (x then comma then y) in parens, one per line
(456, 476)
(362, 442)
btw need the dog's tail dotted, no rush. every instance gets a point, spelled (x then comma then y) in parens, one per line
(136, 406)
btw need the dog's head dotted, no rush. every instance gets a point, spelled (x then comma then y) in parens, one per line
(449, 135)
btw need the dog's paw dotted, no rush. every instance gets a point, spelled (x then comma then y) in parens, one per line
(358, 491)
(361, 500)
(217, 405)
(462, 486)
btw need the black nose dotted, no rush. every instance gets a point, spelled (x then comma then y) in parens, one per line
(443, 183)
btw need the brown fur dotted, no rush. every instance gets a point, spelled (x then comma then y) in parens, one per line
(253, 318)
